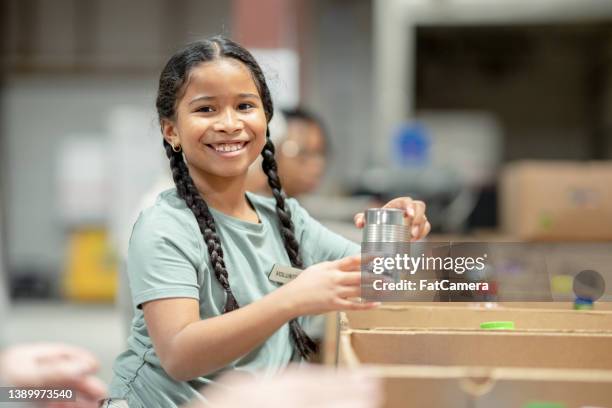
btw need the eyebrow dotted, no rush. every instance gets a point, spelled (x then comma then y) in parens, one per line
(248, 95)
(208, 98)
(200, 98)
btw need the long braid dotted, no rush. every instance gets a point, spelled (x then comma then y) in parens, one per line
(305, 345)
(188, 192)
(287, 230)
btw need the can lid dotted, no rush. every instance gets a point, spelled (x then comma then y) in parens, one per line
(497, 325)
(543, 404)
(393, 216)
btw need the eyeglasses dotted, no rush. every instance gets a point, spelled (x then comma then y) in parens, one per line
(292, 149)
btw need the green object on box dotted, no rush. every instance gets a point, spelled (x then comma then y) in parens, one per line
(578, 306)
(543, 404)
(546, 221)
(497, 325)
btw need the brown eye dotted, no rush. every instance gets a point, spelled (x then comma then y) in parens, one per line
(206, 109)
(245, 106)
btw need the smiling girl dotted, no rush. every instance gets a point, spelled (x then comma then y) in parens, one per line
(199, 259)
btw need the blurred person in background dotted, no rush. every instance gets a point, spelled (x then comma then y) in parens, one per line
(301, 155)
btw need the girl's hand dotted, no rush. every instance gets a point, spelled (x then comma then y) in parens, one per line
(327, 287)
(414, 211)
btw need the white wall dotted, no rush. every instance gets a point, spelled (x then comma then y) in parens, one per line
(339, 82)
(37, 114)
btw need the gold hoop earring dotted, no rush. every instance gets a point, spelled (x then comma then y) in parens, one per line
(176, 148)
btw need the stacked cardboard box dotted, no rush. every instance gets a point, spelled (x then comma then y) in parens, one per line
(436, 356)
(557, 200)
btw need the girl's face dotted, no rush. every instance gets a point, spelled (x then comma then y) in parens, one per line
(220, 121)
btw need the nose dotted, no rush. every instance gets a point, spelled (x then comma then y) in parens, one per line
(228, 122)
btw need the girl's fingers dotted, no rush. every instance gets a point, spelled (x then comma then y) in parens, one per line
(350, 278)
(425, 230)
(359, 220)
(414, 210)
(403, 203)
(349, 291)
(419, 219)
(420, 231)
(350, 263)
(419, 211)
(350, 305)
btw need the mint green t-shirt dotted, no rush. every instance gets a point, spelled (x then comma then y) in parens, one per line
(167, 258)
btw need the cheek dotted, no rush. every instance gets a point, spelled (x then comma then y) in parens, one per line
(259, 128)
(191, 130)
(259, 144)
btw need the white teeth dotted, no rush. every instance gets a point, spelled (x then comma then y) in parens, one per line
(229, 147)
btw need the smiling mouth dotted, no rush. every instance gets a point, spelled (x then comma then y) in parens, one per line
(227, 147)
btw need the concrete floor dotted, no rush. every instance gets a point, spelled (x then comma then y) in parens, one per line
(95, 327)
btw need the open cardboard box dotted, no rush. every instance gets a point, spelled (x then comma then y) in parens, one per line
(483, 348)
(483, 369)
(462, 317)
(530, 317)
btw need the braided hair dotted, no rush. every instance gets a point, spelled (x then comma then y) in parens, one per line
(171, 83)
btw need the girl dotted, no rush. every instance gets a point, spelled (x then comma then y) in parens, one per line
(199, 259)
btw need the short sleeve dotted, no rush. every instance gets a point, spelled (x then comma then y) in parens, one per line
(163, 259)
(318, 242)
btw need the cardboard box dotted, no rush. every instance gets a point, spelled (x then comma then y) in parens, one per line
(483, 348)
(469, 318)
(482, 369)
(556, 200)
(469, 387)
(557, 305)
(530, 316)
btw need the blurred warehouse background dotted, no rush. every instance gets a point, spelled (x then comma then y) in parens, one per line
(436, 99)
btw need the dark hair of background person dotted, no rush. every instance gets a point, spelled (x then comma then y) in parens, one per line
(306, 115)
(171, 85)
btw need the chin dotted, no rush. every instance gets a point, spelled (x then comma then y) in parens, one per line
(230, 173)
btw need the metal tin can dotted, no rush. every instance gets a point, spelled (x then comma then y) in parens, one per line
(385, 225)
